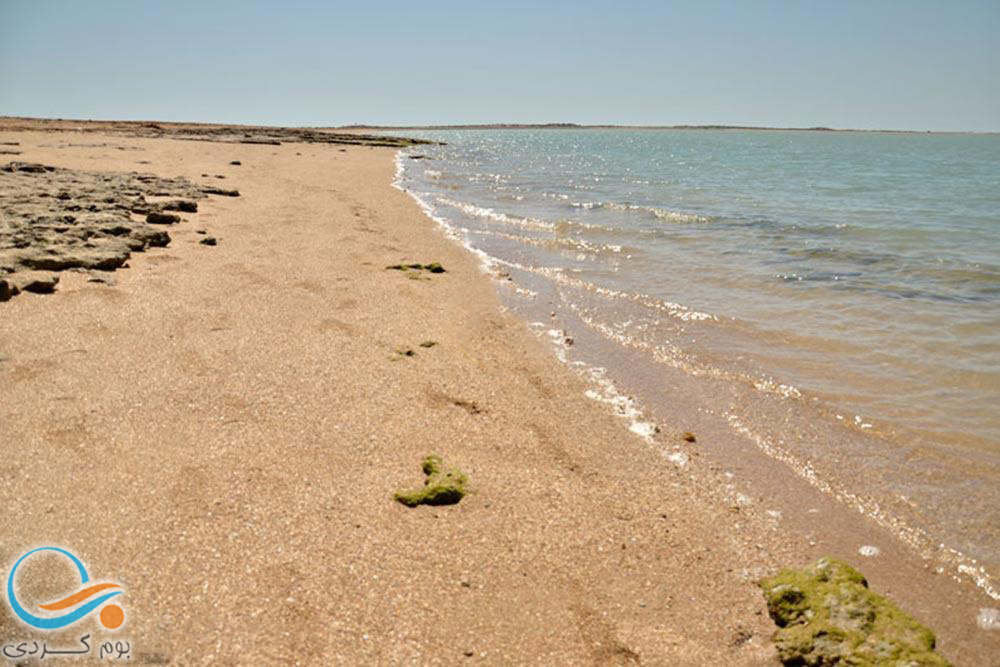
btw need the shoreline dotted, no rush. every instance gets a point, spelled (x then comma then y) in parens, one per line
(757, 420)
(260, 416)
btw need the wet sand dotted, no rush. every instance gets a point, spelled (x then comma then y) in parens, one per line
(221, 429)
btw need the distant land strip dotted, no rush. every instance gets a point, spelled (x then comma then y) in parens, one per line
(301, 132)
(577, 126)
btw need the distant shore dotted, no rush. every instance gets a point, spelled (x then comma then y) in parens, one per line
(94, 124)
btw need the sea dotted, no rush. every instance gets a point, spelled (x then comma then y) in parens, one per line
(827, 300)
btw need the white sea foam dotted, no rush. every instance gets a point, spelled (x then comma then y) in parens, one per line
(490, 214)
(947, 557)
(656, 212)
(988, 618)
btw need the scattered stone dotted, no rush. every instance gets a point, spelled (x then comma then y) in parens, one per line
(9, 152)
(183, 205)
(428, 343)
(689, 437)
(162, 218)
(8, 290)
(826, 615)
(211, 190)
(236, 163)
(200, 231)
(445, 485)
(28, 167)
(469, 406)
(39, 282)
(10, 143)
(209, 240)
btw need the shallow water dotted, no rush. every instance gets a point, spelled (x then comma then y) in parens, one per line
(840, 290)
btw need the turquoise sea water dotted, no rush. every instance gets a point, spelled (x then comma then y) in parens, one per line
(856, 275)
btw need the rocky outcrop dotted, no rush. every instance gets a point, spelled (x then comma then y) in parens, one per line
(55, 219)
(233, 134)
(826, 615)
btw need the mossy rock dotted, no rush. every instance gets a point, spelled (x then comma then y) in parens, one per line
(826, 615)
(445, 485)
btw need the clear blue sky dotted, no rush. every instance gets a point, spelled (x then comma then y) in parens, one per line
(906, 64)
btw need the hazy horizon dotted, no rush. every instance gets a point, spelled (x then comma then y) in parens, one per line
(913, 66)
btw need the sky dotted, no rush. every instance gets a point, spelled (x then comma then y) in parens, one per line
(874, 64)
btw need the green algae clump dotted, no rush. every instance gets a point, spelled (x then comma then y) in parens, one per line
(826, 615)
(445, 485)
(433, 267)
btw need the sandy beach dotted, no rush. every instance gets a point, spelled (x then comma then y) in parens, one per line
(221, 428)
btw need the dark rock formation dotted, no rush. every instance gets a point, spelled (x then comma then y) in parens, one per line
(57, 219)
(220, 191)
(183, 205)
(155, 218)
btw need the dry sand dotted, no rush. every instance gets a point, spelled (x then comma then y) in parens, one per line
(221, 429)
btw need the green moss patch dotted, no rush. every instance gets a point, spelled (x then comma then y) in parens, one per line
(415, 269)
(826, 615)
(445, 485)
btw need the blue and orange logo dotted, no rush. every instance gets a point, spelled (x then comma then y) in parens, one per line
(111, 615)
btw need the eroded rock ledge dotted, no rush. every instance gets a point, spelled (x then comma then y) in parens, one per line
(237, 134)
(54, 219)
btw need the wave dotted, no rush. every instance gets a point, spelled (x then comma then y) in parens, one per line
(561, 243)
(654, 211)
(484, 213)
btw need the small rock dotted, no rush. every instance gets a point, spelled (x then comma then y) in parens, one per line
(156, 218)
(39, 282)
(220, 191)
(8, 289)
(689, 437)
(27, 167)
(209, 240)
(184, 205)
(235, 163)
